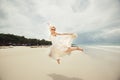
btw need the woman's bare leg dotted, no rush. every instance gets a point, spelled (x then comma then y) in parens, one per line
(78, 48)
(58, 61)
(73, 48)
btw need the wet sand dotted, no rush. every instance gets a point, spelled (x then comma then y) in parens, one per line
(25, 63)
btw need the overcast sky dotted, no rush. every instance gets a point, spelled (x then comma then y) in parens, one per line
(95, 21)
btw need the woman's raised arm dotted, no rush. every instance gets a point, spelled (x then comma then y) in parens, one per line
(64, 33)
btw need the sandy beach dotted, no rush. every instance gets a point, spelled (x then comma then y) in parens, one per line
(25, 63)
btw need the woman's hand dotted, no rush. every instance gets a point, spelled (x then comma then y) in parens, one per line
(74, 35)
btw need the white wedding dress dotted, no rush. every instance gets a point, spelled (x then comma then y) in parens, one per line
(60, 44)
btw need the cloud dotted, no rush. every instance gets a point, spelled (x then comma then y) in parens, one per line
(80, 5)
(103, 36)
(91, 19)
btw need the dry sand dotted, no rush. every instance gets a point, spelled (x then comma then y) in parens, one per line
(25, 63)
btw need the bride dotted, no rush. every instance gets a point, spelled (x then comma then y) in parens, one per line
(61, 44)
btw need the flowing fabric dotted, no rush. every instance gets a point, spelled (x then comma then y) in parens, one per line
(60, 44)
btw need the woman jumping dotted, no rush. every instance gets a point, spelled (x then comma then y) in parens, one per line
(61, 44)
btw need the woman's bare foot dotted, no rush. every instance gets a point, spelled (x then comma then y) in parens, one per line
(58, 61)
(80, 49)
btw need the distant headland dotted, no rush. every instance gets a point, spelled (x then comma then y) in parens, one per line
(15, 40)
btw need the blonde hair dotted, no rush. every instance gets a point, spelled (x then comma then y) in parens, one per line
(51, 26)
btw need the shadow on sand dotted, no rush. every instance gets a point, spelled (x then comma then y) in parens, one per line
(62, 77)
